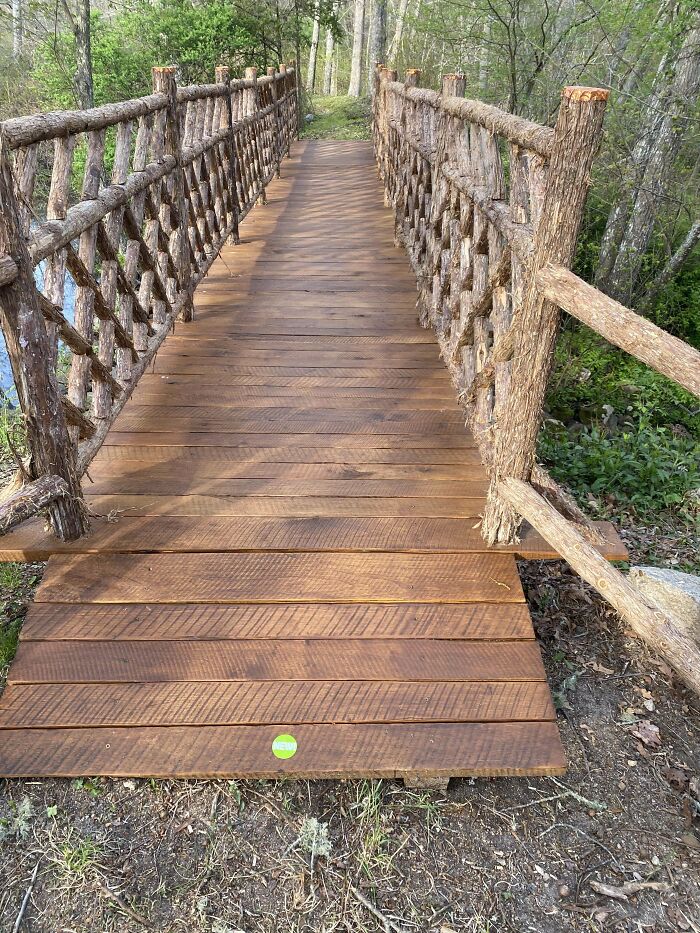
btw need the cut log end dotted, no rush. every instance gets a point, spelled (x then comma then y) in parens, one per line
(574, 92)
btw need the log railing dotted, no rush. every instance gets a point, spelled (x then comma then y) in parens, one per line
(167, 179)
(488, 207)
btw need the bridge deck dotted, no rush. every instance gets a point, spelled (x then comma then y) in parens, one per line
(287, 539)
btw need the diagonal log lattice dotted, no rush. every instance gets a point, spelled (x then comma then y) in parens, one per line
(165, 182)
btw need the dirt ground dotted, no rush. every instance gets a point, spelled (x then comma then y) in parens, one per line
(615, 845)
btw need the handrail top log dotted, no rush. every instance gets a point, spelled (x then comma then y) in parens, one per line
(517, 129)
(19, 132)
(526, 133)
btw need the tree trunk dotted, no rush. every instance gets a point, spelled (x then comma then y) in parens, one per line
(377, 40)
(313, 52)
(82, 79)
(328, 62)
(395, 45)
(653, 162)
(484, 56)
(17, 29)
(357, 44)
(662, 278)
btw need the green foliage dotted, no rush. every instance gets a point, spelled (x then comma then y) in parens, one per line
(338, 118)
(619, 431)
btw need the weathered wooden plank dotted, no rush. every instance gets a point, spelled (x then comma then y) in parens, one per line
(158, 622)
(112, 506)
(296, 454)
(273, 577)
(175, 483)
(340, 441)
(27, 706)
(278, 659)
(323, 751)
(169, 534)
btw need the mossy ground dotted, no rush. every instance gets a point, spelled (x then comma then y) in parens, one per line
(337, 118)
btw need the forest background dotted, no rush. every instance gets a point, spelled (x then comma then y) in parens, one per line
(625, 439)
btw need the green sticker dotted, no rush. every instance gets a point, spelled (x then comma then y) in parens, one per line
(284, 746)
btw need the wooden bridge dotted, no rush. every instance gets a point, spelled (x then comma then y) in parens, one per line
(284, 571)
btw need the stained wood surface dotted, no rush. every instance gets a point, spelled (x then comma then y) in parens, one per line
(285, 537)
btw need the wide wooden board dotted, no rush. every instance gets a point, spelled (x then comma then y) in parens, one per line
(281, 577)
(27, 706)
(386, 750)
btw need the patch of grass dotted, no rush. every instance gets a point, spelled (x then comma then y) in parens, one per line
(338, 118)
(12, 428)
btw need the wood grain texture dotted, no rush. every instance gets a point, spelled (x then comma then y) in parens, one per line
(275, 659)
(158, 622)
(324, 751)
(64, 706)
(281, 577)
(168, 534)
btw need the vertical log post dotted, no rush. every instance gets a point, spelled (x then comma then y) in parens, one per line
(277, 145)
(31, 357)
(250, 107)
(577, 136)
(223, 76)
(286, 135)
(164, 83)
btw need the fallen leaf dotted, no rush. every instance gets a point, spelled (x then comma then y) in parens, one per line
(647, 733)
(676, 778)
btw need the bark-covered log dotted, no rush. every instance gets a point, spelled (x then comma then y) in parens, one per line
(28, 347)
(621, 326)
(8, 270)
(30, 499)
(665, 634)
(54, 234)
(20, 132)
(577, 137)
(518, 130)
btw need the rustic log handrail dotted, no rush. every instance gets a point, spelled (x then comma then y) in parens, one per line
(188, 164)
(491, 250)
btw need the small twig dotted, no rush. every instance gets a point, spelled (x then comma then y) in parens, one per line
(25, 900)
(388, 924)
(591, 804)
(123, 906)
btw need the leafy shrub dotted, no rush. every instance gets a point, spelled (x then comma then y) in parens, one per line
(646, 469)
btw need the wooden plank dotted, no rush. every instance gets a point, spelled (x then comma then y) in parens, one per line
(289, 472)
(340, 441)
(114, 506)
(281, 577)
(27, 706)
(174, 483)
(191, 394)
(277, 659)
(296, 454)
(323, 751)
(169, 534)
(292, 421)
(158, 622)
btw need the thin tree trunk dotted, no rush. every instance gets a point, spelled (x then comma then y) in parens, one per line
(484, 56)
(328, 62)
(82, 79)
(672, 267)
(357, 44)
(395, 45)
(313, 51)
(17, 29)
(334, 74)
(653, 162)
(377, 39)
